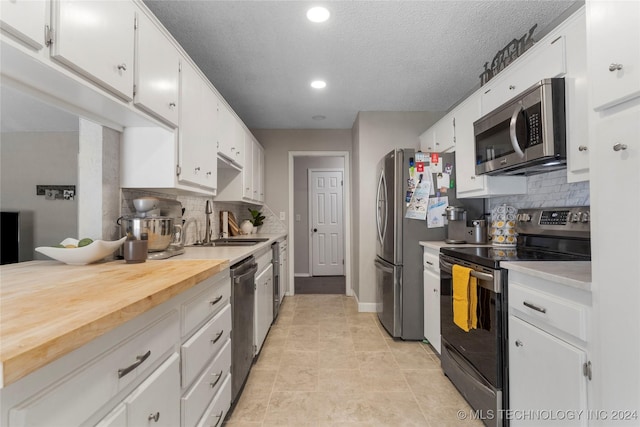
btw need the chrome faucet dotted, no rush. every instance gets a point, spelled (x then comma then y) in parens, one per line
(207, 233)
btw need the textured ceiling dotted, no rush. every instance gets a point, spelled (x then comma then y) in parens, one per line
(375, 55)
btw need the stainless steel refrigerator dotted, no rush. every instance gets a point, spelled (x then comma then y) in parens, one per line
(399, 270)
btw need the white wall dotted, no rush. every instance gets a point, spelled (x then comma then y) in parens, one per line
(301, 166)
(377, 133)
(35, 158)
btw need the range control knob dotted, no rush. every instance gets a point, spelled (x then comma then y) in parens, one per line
(585, 216)
(575, 217)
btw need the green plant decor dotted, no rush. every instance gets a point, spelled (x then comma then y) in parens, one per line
(256, 217)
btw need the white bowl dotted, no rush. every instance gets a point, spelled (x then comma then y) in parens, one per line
(93, 252)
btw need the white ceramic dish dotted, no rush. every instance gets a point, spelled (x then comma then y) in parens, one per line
(84, 255)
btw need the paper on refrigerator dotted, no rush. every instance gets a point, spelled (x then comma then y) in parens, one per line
(417, 208)
(436, 210)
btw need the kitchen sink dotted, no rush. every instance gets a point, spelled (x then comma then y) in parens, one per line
(235, 242)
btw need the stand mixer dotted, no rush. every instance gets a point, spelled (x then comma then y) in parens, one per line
(161, 220)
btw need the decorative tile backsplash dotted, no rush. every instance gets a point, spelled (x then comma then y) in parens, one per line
(194, 213)
(547, 190)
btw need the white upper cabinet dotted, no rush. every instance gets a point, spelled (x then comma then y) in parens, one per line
(241, 136)
(543, 61)
(157, 72)
(25, 20)
(444, 136)
(428, 140)
(258, 173)
(96, 39)
(229, 133)
(614, 57)
(198, 125)
(247, 171)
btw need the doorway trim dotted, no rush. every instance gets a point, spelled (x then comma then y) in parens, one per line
(310, 215)
(347, 214)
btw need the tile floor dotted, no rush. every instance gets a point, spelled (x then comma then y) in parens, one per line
(325, 364)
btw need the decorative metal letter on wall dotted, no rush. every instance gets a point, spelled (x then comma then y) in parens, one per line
(507, 55)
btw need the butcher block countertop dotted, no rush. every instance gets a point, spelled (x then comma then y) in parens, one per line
(48, 309)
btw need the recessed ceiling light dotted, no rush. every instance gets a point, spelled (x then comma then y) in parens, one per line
(319, 117)
(318, 14)
(318, 84)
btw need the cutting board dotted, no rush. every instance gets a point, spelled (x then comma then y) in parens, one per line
(234, 230)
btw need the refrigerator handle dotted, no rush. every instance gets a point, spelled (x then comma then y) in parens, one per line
(383, 267)
(380, 181)
(386, 208)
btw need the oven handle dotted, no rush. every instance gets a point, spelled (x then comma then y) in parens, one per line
(494, 280)
(477, 274)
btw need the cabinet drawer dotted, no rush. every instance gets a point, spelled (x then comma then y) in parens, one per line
(156, 401)
(431, 261)
(195, 401)
(198, 309)
(74, 398)
(204, 344)
(215, 413)
(545, 309)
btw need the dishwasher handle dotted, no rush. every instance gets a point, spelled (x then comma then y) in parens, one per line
(250, 272)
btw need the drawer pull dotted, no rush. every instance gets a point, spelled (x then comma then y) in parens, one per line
(534, 307)
(218, 376)
(215, 301)
(215, 340)
(615, 67)
(429, 262)
(154, 417)
(219, 417)
(138, 362)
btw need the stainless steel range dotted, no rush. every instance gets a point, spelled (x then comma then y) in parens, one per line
(477, 361)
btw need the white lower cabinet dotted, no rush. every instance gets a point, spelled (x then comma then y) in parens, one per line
(263, 306)
(201, 394)
(545, 374)
(157, 400)
(549, 368)
(432, 297)
(217, 410)
(131, 376)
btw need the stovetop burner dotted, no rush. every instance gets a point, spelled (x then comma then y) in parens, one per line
(547, 234)
(491, 256)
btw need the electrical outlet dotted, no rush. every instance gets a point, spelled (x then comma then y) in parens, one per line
(298, 217)
(282, 216)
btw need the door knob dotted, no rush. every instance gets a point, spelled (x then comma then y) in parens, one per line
(315, 230)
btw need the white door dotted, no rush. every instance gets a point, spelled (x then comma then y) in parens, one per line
(326, 222)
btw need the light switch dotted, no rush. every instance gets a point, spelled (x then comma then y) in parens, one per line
(282, 216)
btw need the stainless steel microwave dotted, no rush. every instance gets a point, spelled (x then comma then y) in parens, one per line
(526, 135)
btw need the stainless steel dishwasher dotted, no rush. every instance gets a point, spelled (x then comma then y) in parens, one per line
(242, 307)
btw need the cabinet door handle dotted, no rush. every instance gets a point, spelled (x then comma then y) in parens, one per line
(217, 338)
(619, 147)
(218, 376)
(172, 105)
(219, 417)
(215, 301)
(615, 67)
(138, 362)
(582, 148)
(534, 307)
(122, 67)
(429, 262)
(519, 343)
(154, 417)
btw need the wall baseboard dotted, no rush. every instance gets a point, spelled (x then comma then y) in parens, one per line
(365, 307)
(301, 275)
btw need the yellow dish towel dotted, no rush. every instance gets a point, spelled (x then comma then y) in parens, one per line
(465, 298)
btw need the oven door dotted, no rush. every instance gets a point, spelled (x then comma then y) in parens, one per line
(483, 347)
